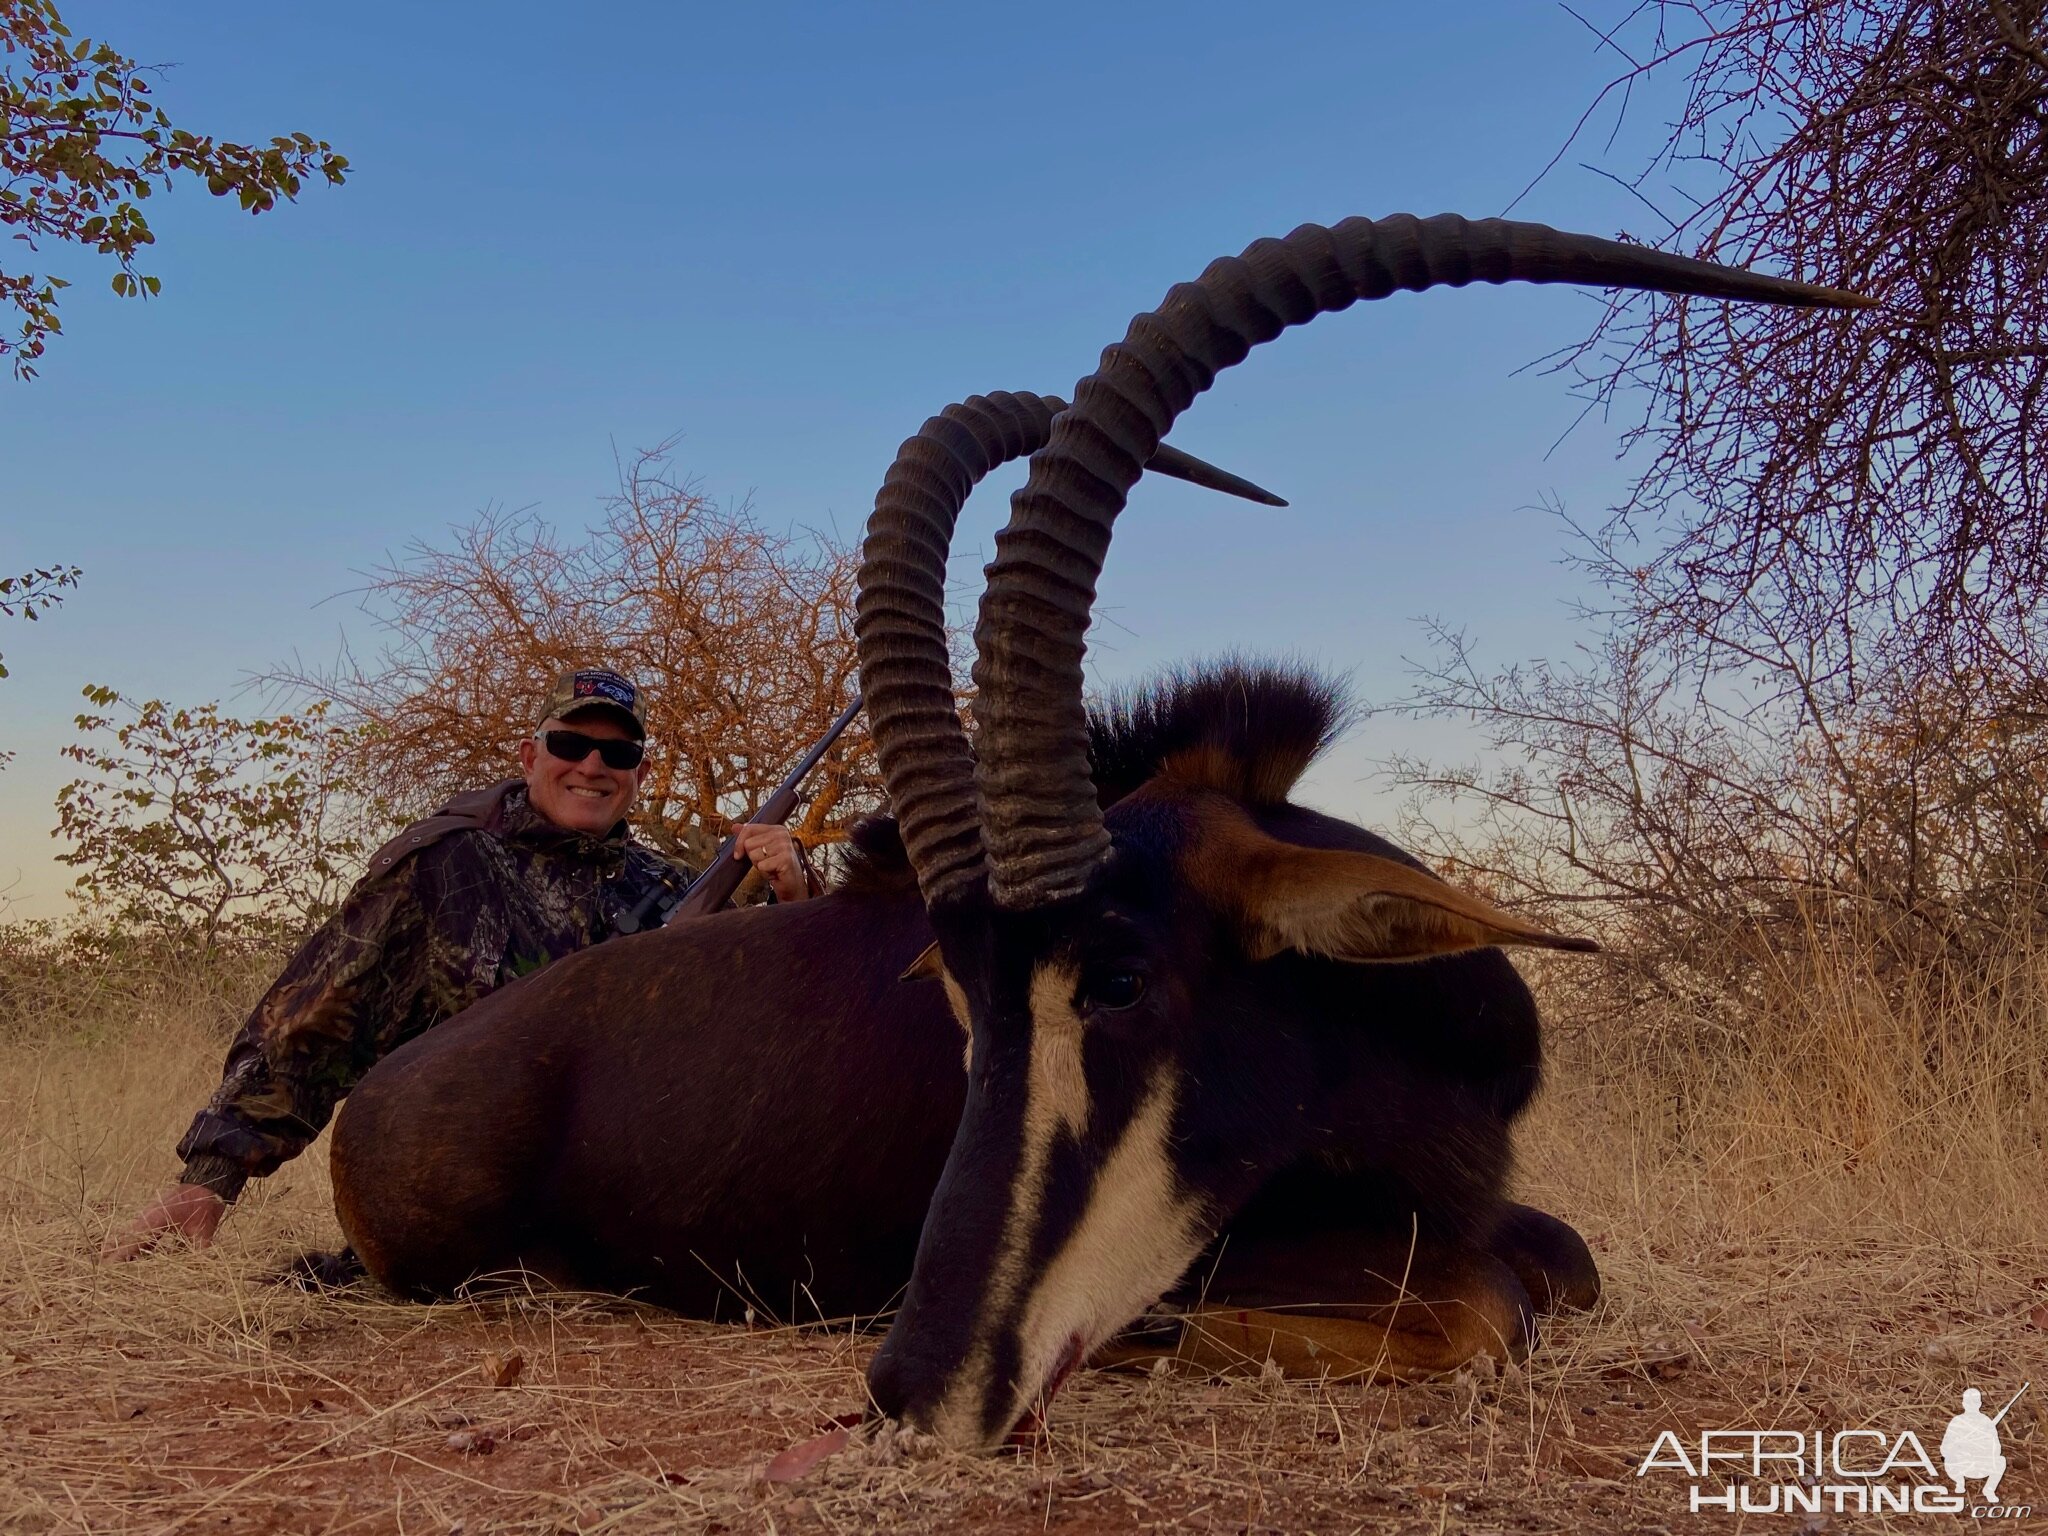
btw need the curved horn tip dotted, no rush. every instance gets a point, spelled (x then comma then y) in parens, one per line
(1265, 498)
(1169, 460)
(1797, 295)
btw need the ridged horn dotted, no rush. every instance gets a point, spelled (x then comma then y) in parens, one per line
(1043, 828)
(900, 617)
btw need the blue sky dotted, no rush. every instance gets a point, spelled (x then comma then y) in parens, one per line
(789, 233)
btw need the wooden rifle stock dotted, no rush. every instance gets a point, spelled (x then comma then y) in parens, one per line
(713, 889)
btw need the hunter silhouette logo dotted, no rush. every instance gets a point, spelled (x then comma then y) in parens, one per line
(1971, 1448)
(1852, 1471)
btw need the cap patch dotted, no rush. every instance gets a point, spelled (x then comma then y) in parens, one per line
(605, 685)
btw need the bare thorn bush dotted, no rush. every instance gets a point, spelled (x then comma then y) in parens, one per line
(741, 636)
(1810, 711)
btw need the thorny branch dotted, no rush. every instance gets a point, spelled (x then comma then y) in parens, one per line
(1817, 696)
(742, 639)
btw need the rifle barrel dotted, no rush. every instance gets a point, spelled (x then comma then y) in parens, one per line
(2013, 1399)
(713, 889)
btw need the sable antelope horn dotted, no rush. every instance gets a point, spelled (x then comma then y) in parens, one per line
(1043, 827)
(900, 617)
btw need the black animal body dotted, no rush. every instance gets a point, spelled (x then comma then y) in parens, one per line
(751, 1110)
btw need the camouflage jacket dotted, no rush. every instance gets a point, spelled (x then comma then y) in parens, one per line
(427, 932)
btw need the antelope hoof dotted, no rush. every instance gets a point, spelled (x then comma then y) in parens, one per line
(1550, 1259)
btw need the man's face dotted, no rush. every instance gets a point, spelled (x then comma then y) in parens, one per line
(584, 796)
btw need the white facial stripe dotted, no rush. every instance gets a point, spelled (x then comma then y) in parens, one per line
(1059, 1086)
(1136, 1238)
(1056, 1098)
(1132, 1242)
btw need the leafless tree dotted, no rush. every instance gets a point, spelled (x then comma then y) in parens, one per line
(741, 637)
(1815, 693)
(1851, 476)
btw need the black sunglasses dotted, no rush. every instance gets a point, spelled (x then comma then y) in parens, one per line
(574, 746)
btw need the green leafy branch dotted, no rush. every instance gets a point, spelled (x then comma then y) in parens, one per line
(29, 594)
(81, 143)
(203, 827)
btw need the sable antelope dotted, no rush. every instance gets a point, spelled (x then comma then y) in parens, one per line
(1171, 1049)
(1165, 1044)
(773, 1139)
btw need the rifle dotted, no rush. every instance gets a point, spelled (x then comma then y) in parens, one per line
(2008, 1407)
(713, 889)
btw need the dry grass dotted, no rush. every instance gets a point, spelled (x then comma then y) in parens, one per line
(1840, 1231)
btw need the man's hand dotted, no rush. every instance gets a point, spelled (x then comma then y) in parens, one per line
(772, 851)
(189, 1209)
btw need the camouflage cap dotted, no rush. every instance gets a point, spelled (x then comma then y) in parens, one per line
(582, 689)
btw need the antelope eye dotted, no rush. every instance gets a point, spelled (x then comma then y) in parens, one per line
(1114, 990)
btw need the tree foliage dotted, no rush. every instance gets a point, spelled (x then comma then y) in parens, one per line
(29, 596)
(32, 593)
(82, 144)
(740, 637)
(205, 829)
(1814, 697)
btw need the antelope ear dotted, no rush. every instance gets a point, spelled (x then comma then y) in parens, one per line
(1359, 906)
(927, 966)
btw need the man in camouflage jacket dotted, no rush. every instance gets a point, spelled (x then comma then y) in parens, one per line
(498, 884)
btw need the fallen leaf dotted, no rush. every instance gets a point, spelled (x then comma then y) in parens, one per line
(787, 1466)
(503, 1370)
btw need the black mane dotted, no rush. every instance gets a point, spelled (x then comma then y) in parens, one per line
(872, 860)
(1249, 729)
